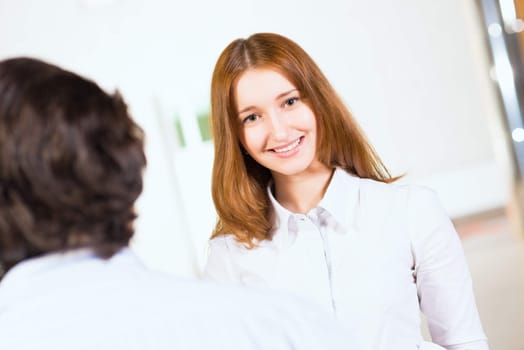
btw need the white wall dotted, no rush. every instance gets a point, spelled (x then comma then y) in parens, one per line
(413, 72)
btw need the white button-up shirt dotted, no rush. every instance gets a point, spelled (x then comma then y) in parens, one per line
(78, 301)
(376, 255)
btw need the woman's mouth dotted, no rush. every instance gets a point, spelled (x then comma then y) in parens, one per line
(289, 147)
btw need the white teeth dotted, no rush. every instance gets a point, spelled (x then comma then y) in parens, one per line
(288, 148)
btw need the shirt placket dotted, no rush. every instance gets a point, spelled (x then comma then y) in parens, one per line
(320, 228)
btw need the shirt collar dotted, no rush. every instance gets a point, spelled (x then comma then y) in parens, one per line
(341, 200)
(282, 222)
(337, 209)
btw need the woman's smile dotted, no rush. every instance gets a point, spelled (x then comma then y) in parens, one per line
(288, 149)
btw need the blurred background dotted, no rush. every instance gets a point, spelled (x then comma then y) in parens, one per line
(436, 85)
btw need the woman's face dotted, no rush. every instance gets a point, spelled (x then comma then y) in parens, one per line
(277, 128)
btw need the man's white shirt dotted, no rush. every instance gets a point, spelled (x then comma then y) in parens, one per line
(76, 300)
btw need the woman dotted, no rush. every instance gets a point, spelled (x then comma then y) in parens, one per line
(306, 205)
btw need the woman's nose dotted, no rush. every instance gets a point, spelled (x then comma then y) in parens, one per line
(279, 127)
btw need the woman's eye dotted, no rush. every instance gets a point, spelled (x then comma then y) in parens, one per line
(291, 101)
(250, 118)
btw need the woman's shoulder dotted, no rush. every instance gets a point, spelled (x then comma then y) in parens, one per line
(222, 240)
(227, 242)
(397, 193)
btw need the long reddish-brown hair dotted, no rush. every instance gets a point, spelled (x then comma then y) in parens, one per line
(238, 182)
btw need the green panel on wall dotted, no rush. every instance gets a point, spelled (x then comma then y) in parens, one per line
(180, 133)
(204, 125)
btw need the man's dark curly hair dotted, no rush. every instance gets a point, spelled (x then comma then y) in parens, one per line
(71, 163)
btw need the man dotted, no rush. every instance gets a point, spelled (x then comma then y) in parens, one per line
(71, 163)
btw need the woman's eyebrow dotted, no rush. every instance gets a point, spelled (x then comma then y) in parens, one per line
(246, 109)
(279, 96)
(285, 93)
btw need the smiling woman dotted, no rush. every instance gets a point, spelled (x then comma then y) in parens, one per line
(256, 79)
(305, 205)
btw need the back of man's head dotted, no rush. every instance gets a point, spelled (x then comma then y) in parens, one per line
(71, 162)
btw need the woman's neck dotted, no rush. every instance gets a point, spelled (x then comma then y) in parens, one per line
(301, 193)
